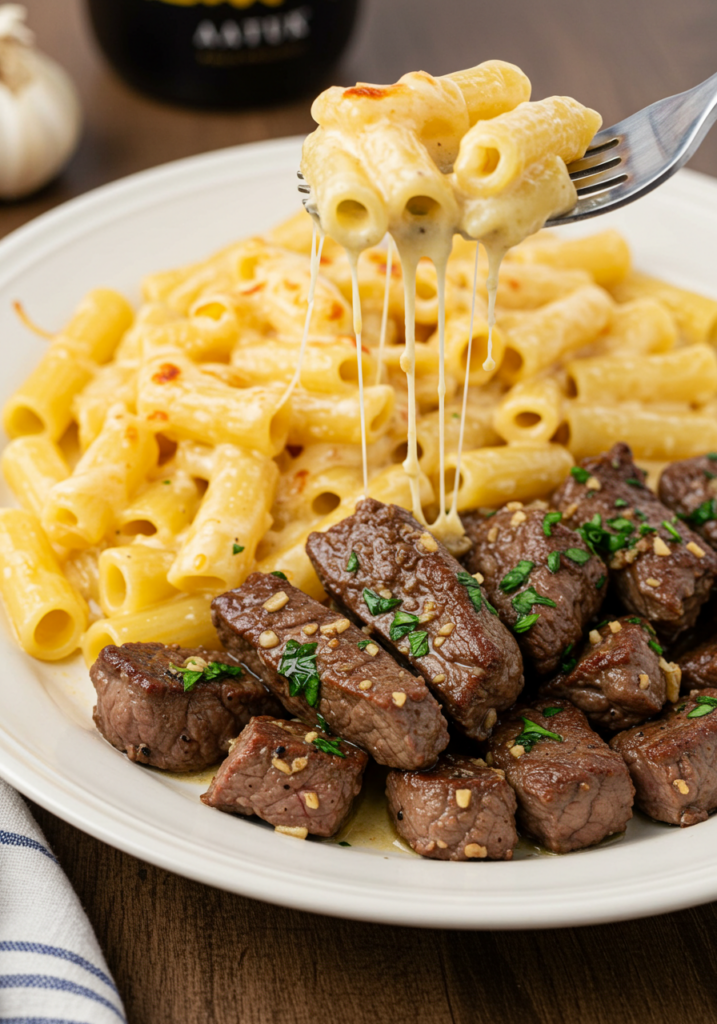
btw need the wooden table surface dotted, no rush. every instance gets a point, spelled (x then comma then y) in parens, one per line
(183, 953)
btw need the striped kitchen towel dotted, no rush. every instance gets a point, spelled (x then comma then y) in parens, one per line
(51, 967)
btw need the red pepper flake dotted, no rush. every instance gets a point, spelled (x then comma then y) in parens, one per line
(371, 92)
(336, 311)
(158, 415)
(166, 373)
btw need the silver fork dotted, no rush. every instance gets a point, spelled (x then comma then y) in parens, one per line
(633, 157)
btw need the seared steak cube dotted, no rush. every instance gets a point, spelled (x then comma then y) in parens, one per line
(276, 771)
(699, 666)
(620, 678)
(660, 568)
(458, 810)
(524, 552)
(673, 760)
(689, 488)
(390, 572)
(144, 709)
(315, 660)
(572, 789)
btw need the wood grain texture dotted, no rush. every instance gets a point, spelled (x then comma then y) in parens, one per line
(183, 953)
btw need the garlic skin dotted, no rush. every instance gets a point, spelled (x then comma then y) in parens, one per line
(40, 114)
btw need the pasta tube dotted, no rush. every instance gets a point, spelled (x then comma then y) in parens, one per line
(605, 255)
(81, 510)
(478, 432)
(47, 616)
(319, 417)
(32, 465)
(491, 88)
(644, 325)
(161, 510)
(456, 350)
(652, 432)
(531, 411)
(685, 375)
(535, 340)
(43, 402)
(115, 382)
(522, 287)
(695, 315)
(178, 399)
(514, 472)
(328, 366)
(496, 152)
(186, 621)
(98, 324)
(218, 552)
(133, 578)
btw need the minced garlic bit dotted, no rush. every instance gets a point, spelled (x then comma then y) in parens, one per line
(584, 786)
(695, 549)
(652, 582)
(463, 797)
(659, 547)
(478, 577)
(570, 510)
(439, 678)
(478, 762)
(431, 846)
(615, 626)
(281, 766)
(428, 542)
(195, 663)
(673, 678)
(514, 506)
(311, 800)
(593, 484)
(310, 737)
(493, 535)
(365, 684)
(681, 786)
(399, 698)
(438, 641)
(298, 764)
(644, 681)
(441, 845)
(268, 639)
(276, 601)
(372, 649)
(517, 750)
(333, 644)
(310, 628)
(298, 832)
(385, 593)
(489, 759)
(517, 518)
(426, 617)
(491, 718)
(337, 626)
(429, 606)
(342, 625)
(594, 636)
(446, 629)
(474, 851)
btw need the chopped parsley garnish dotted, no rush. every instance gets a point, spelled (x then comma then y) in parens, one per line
(705, 513)
(378, 605)
(550, 519)
(191, 676)
(523, 602)
(681, 708)
(280, 575)
(712, 456)
(322, 723)
(489, 606)
(621, 524)
(363, 644)
(567, 660)
(705, 706)
(353, 562)
(549, 712)
(645, 528)
(487, 513)
(600, 582)
(708, 475)
(166, 481)
(473, 587)
(577, 555)
(516, 577)
(637, 621)
(634, 482)
(526, 622)
(554, 561)
(329, 746)
(639, 514)
(599, 539)
(298, 665)
(418, 642)
(581, 475)
(403, 624)
(237, 548)
(532, 733)
(674, 534)
(655, 647)
(621, 503)
(455, 416)
(344, 843)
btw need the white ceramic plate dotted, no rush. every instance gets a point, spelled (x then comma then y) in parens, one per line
(49, 749)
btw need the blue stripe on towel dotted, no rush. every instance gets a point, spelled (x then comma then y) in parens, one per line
(63, 954)
(48, 981)
(15, 839)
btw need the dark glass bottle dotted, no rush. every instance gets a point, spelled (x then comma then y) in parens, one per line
(235, 53)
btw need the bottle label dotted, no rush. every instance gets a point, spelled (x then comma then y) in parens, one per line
(254, 32)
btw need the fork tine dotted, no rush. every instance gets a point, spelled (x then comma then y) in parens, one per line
(599, 168)
(601, 186)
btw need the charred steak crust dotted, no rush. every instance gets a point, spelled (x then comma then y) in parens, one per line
(143, 710)
(699, 667)
(666, 588)
(689, 485)
(365, 696)
(515, 535)
(275, 772)
(473, 664)
(571, 794)
(673, 762)
(458, 810)
(619, 679)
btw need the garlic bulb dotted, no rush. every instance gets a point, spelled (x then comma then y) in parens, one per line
(40, 115)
